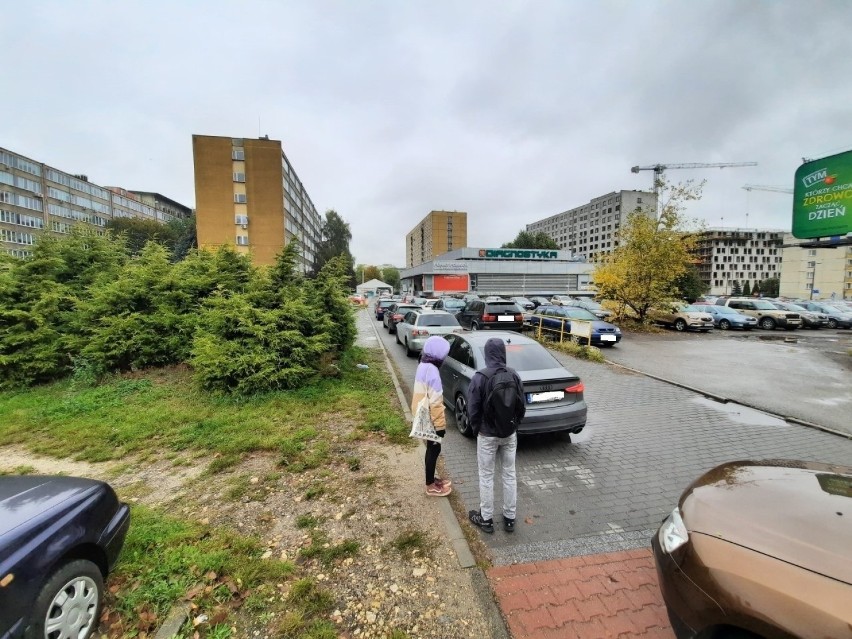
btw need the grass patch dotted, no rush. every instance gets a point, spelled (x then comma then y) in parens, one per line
(222, 463)
(590, 353)
(314, 491)
(354, 463)
(326, 552)
(307, 603)
(20, 470)
(412, 542)
(307, 521)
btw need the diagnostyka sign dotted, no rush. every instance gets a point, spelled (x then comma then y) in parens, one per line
(822, 205)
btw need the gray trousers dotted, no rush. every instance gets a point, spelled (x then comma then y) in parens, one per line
(488, 450)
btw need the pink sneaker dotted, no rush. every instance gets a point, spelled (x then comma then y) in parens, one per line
(444, 483)
(436, 490)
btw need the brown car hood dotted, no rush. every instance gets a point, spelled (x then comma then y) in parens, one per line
(798, 512)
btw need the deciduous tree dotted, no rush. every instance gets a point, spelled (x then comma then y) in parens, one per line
(689, 285)
(527, 240)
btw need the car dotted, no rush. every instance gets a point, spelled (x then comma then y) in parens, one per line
(419, 325)
(449, 304)
(558, 318)
(481, 315)
(430, 303)
(593, 307)
(381, 306)
(554, 395)
(394, 314)
(726, 318)
(682, 317)
(810, 319)
(559, 300)
(837, 317)
(523, 302)
(767, 315)
(59, 539)
(538, 301)
(759, 549)
(471, 296)
(494, 298)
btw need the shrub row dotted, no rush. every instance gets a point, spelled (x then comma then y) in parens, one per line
(80, 305)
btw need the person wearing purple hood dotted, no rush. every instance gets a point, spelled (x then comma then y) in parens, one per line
(427, 383)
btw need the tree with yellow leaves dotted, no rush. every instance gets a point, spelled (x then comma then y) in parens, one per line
(652, 252)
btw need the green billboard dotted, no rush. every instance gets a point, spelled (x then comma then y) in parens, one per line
(822, 197)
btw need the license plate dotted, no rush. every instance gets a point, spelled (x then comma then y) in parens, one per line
(506, 318)
(607, 338)
(550, 396)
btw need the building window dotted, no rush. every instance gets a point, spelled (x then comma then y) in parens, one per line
(238, 153)
(239, 177)
(240, 198)
(241, 219)
(242, 240)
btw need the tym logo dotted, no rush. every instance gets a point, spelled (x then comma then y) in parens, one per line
(813, 178)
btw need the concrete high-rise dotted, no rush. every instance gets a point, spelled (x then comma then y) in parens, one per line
(436, 234)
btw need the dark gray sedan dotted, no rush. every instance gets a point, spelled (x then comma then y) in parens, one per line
(554, 395)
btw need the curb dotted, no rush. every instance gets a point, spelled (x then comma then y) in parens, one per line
(728, 400)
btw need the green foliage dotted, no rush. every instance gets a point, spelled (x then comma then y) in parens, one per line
(689, 284)
(137, 232)
(770, 287)
(336, 236)
(651, 255)
(390, 275)
(184, 236)
(755, 290)
(747, 289)
(527, 240)
(736, 289)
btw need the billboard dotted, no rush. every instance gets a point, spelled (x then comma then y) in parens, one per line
(450, 283)
(822, 197)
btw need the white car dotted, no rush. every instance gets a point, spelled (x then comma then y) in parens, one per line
(418, 326)
(561, 300)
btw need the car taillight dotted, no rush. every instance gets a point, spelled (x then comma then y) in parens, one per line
(575, 388)
(489, 318)
(419, 331)
(519, 318)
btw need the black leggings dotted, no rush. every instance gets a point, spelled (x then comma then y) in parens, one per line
(433, 449)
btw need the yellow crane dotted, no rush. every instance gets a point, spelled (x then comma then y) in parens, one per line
(659, 169)
(760, 187)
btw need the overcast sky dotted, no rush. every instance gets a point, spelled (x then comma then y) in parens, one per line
(511, 111)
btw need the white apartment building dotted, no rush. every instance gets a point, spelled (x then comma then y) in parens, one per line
(816, 273)
(728, 255)
(591, 229)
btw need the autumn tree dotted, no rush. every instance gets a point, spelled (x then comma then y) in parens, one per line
(372, 273)
(527, 240)
(652, 252)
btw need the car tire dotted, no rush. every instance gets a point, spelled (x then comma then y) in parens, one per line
(767, 323)
(76, 587)
(724, 325)
(832, 323)
(680, 325)
(408, 351)
(461, 415)
(474, 326)
(397, 338)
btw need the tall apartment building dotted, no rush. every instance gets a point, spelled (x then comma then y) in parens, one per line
(247, 195)
(815, 273)
(162, 203)
(728, 255)
(591, 229)
(36, 198)
(436, 234)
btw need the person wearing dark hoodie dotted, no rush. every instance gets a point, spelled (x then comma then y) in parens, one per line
(490, 445)
(427, 383)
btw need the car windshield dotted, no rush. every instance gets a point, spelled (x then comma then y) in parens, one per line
(764, 306)
(691, 309)
(452, 304)
(501, 307)
(579, 313)
(792, 307)
(529, 357)
(833, 309)
(590, 304)
(437, 319)
(385, 303)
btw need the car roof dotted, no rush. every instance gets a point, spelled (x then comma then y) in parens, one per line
(478, 338)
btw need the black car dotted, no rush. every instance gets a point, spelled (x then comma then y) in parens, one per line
(59, 539)
(394, 314)
(481, 315)
(381, 307)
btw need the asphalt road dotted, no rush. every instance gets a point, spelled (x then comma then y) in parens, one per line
(608, 488)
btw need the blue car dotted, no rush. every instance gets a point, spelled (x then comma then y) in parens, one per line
(59, 539)
(726, 318)
(554, 319)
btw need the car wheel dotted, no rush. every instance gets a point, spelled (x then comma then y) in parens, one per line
(832, 323)
(474, 326)
(408, 351)
(767, 324)
(69, 603)
(680, 325)
(397, 338)
(724, 325)
(462, 418)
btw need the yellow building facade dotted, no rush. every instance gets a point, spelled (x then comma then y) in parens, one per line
(438, 233)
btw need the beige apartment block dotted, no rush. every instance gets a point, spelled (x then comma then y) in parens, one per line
(816, 273)
(438, 233)
(248, 196)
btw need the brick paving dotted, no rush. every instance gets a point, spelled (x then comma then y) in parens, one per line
(603, 596)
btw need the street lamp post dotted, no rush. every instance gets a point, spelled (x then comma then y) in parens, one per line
(813, 279)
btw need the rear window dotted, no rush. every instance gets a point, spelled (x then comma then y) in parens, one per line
(502, 307)
(529, 357)
(385, 303)
(453, 304)
(438, 319)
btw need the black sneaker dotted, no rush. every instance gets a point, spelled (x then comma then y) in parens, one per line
(487, 525)
(508, 525)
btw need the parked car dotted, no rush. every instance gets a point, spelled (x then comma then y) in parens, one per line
(449, 304)
(593, 307)
(494, 298)
(59, 539)
(523, 302)
(481, 315)
(470, 296)
(768, 317)
(430, 303)
(419, 325)
(759, 549)
(381, 306)
(726, 318)
(560, 300)
(810, 319)
(554, 395)
(837, 317)
(538, 301)
(682, 317)
(420, 301)
(395, 313)
(559, 318)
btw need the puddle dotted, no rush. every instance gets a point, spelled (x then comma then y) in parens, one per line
(742, 414)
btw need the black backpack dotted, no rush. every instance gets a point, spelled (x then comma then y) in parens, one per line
(504, 403)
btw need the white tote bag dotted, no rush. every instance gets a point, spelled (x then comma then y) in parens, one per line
(422, 428)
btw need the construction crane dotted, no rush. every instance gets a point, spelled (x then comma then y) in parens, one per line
(658, 169)
(759, 187)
